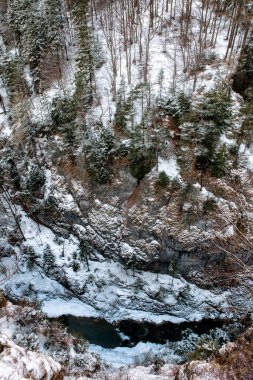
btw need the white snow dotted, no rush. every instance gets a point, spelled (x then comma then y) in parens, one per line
(17, 364)
(170, 167)
(110, 290)
(56, 307)
(129, 356)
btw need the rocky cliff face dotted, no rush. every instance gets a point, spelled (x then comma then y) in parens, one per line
(125, 190)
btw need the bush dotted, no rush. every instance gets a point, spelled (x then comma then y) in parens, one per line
(51, 206)
(75, 266)
(163, 180)
(141, 160)
(209, 205)
(36, 179)
(205, 348)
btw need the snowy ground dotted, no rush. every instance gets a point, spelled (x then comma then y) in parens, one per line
(132, 356)
(16, 363)
(107, 287)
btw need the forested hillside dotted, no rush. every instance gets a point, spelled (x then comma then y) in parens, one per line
(126, 177)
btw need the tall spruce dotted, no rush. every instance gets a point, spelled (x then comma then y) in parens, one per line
(84, 59)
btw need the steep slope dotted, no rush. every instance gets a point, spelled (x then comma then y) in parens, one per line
(126, 158)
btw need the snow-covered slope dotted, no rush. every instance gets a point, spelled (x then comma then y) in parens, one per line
(16, 363)
(126, 160)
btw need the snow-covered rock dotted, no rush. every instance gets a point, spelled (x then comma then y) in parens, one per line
(16, 363)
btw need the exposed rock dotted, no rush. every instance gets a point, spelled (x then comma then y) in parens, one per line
(17, 363)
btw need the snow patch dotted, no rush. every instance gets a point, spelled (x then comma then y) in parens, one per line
(170, 167)
(57, 307)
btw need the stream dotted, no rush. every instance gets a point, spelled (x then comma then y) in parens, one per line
(129, 333)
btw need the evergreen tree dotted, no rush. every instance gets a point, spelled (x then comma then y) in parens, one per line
(85, 63)
(216, 107)
(55, 16)
(38, 29)
(84, 251)
(31, 257)
(141, 160)
(243, 78)
(48, 258)
(99, 156)
(160, 82)
(75, 266)
(63, 112)
(177, 105)
(220, 165)
(14, 174)
(37, 45)
(120, 114)
(11, 73)
(36, 179)
(51, 206)
(163, 180)
(30, 31)
(212, 116)
(246, 131)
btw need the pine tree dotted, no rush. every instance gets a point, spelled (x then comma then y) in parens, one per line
(38, 29)
(121, 114)
(31, 257)
(163, 180)
(36, 49)
(54, 11)
(220, 164)
(216, 107)
(84, 251)
(63, 112)
(11, 73)
(177, 105)
(246, 131)
(36, 179)
(160, 82)
(48, 258)
(141, 160)
(85, 63)
(99, 156)
(243, 77)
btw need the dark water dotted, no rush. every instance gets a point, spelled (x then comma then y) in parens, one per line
(102, 333)
(96, 331)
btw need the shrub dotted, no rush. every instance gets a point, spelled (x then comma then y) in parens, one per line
(204, 349)
(141, 160)
(51, 205)
(75, 266)
(209, 205)
(36, 179)
(163, 180)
